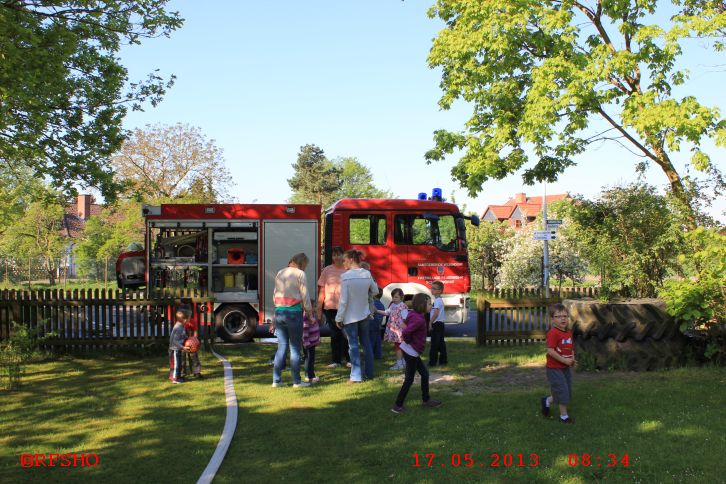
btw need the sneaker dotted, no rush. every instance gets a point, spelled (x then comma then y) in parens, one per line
(277, 384)
(302, 384)
(315, 379)
(177, 382)
(333, 365)
(399, 410)
(353, 382)
(432, 403)
(543, 406)
(349, 365)
(568, 420)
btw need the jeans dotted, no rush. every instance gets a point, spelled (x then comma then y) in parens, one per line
(176, 364)
(338, 343)
(191, 361)
(288, 329)
(437, 354)
(414, 364)
(310, 362)
(374, 331)
(353, 331)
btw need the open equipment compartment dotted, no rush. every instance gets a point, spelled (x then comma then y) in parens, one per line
(235, 256)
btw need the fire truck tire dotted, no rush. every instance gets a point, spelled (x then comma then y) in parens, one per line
(235, 323)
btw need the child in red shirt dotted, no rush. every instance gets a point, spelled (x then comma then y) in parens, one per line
(560, 358)
(192, 359)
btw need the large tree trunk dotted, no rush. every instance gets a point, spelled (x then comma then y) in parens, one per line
(676, 184)
(654, 151)
(50, 270)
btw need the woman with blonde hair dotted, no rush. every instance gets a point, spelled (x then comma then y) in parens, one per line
(357, 289)
(290, 298)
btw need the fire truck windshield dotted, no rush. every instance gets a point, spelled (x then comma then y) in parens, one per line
(426, 229)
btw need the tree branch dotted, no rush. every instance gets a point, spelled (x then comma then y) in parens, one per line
(628, 136)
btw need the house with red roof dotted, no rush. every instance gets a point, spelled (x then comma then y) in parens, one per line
(519, 210)
(73, 222)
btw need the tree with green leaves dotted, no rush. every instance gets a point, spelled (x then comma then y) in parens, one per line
(357, 180)
(316, 179)
(37, 235)
(63, 90)
(539, 74)
(629, 235)
(164, 162)
(18, 189)
(108, 234)
(700, 297)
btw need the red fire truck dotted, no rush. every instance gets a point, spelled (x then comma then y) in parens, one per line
(235, 250)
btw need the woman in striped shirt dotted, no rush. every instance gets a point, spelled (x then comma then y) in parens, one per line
(290, 298)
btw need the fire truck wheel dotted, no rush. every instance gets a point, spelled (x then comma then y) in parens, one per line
(235, 323)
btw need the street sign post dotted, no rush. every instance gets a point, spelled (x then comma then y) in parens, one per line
(553, 224)
(545, 235)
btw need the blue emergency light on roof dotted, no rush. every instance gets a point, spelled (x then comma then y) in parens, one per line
(436, 194)
(423, 196)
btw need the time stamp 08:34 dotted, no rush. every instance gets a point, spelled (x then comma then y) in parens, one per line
(515, 460)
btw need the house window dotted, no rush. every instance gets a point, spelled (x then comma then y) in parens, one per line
(518, 223)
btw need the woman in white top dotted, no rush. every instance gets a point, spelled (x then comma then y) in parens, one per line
(357, 289)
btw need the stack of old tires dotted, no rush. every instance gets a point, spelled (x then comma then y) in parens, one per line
(635, 335)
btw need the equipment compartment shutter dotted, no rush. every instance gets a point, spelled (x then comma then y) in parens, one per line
(283, 239)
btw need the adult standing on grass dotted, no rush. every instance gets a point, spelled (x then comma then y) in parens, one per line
(374, 325)
(560, 358)
(357, 289)
(290, 298)
(328, 297)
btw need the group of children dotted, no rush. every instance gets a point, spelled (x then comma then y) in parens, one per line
(397, 313)
(407, 330)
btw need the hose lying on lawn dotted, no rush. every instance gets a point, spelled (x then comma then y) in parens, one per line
(230, 423)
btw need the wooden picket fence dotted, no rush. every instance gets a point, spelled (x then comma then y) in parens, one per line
(538, 293)
(519, 316)
(101, 319)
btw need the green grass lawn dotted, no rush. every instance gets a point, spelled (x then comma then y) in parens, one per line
(670, 423)
(122, 409)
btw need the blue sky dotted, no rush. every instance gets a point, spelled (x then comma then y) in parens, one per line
(264, 78)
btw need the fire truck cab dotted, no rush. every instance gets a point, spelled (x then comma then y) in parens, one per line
(408, 244)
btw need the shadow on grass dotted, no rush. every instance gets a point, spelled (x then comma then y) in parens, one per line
(126, 412)
(146, 430)
(336, 432)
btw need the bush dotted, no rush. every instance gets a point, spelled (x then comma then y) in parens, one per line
(698, 302)
(16, 351)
